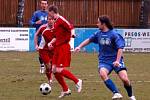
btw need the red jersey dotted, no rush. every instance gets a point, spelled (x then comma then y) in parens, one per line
(62, 31)
(42, 28)
(47, 36)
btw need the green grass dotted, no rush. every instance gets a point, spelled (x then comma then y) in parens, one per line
(20, 78)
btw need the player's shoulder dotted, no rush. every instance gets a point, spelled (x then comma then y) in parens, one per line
(113, 32)
(43, 26)
(97, 32)
(62, 19)
(37, 12)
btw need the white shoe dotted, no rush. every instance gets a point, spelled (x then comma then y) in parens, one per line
(66, 93)
(42, 69)
(117, 96)
(79, 85)
(132, 98)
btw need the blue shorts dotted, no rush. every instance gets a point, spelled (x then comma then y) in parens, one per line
(111, 67)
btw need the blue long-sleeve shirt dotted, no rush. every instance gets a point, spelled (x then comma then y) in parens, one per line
(38, 15)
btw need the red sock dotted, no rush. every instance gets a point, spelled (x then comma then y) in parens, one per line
(49, 74)
(69, 75)
(61, 81)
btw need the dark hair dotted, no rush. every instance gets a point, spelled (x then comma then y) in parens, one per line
(105, 19)
(53, 8)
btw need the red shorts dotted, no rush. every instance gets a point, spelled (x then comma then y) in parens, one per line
(62, 56)
(46, 55)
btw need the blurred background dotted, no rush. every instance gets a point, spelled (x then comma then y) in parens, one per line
(82, 13)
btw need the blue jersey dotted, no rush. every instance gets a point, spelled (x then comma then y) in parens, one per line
(38, 15)
(109, 43)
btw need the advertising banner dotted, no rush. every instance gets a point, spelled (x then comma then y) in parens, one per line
(22, 39)
(19, 39)
(137, 40)
(14, 39)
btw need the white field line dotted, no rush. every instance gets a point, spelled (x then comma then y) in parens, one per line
(100, 81)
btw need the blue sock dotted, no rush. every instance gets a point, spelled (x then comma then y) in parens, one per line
(111, 86)
(129, 90)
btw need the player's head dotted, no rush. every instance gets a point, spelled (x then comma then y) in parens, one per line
(104, 22)
(50, 21)
(44, 4)
(53, 11)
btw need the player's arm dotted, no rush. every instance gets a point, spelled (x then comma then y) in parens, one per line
(51, 44)
(38, 32)
(93, 38)
(119, 55)
(32, 21)
(84, 43)
(69, 27)
(120, 43)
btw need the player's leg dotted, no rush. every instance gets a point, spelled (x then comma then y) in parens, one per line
(57, 75)
(104, 70)
(63, 61)
(61, 81)
(42, 67)
(69, 75)
(66, 73)
(127, 84)
(122, 73)
(65, 90)
(49, 72)
(46, 56)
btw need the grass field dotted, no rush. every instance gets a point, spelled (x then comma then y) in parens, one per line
(20, 78)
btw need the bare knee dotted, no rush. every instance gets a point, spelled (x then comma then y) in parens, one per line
(56, 69)
(103, 73)
(124, 77)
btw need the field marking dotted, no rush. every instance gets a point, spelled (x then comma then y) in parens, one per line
(85, 81)
(93, 75)
(138, 81)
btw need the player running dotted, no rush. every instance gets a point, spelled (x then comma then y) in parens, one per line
(39, 18)
(110, 57)
(46, 54)
(62, 53)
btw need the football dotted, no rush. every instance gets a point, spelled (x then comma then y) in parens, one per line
(45, 88)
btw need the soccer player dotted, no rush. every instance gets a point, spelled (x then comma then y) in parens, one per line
(46, 54)
(110, 56)
(62, 53)
(39, 18)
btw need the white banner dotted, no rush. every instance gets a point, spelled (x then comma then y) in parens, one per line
(16, 39)
(137, 40)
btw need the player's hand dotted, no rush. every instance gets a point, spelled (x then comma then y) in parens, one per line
(77, 49)
(38, 22)
(116, 64)
(50, 46)
(73, 35)
(37, 48)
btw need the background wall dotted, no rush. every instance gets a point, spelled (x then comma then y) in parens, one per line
(83, 13)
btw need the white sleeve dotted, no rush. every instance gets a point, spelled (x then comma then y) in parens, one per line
(42, 43)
